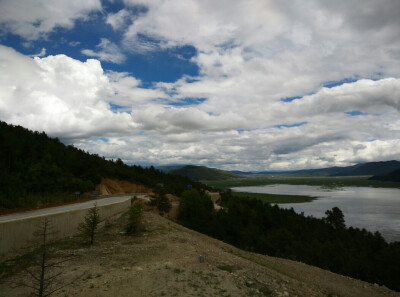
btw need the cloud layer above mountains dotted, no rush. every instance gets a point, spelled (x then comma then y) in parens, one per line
(280, 84)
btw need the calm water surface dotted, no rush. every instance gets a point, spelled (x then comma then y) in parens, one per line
(375, 209)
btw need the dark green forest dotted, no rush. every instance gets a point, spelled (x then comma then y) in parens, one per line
(203, 173)
(262, 228)
(36, 169)
(389, 177)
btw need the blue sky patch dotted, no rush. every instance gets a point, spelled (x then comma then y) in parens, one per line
(354, 113)
(188, 101)
(104, 139)
(331, 84)
(245, 130)
(116, 5)
(160, 65)
(117, 108)
(290, 125)
(290, 99)
(156, 65)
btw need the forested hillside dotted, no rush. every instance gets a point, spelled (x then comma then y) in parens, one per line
(392, 176)
(327, 243)
(202, 173)
(35, 168)
(373, 168)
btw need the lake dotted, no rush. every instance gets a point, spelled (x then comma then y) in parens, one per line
(375, 209)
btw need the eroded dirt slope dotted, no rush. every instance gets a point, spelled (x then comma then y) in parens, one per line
(110, 186)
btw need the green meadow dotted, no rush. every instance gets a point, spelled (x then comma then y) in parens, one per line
(273, 198)
(329, 182)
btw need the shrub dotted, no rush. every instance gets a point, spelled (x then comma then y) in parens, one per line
(162, 203)
(135, 215)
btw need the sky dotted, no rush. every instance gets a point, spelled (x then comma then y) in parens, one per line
(239, 85)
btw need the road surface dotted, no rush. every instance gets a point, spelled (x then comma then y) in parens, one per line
(57, 209)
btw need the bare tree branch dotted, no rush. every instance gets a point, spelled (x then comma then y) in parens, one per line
(43, 278)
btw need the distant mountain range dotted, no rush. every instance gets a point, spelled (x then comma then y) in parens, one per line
(386, 169)
(370, 168)
(201, 173)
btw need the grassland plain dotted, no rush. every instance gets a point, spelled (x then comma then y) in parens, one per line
(167, 259)
(329, 182)
(273, 198)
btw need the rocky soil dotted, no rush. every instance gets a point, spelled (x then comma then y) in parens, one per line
(167, 259)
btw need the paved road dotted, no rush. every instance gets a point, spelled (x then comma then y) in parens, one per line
(52, 210)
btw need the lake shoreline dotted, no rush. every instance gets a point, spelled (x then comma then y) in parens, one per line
(375, 209)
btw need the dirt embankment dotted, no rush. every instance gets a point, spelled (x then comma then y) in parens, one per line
(170, 260)
(110, 186)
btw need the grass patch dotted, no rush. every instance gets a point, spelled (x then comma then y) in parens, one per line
(266, 291)
(274, 198)
(178, 271)
(15, 265)
(228, 268)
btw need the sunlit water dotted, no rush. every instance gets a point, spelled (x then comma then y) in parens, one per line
(375, 209)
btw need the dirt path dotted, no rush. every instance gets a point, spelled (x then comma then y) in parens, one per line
(170, 260)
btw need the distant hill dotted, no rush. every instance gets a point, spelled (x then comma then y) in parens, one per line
(260, 172)
(392, 176)
(203, 173)
(331, 171)
(168, 168)
(373, 168)
(370, 168)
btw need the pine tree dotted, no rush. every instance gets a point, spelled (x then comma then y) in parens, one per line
(335, 218)
(89, 227)
(135, 215)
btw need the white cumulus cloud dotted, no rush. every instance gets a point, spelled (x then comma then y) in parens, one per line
(57, 94)
(251, 56)
(33, 19)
